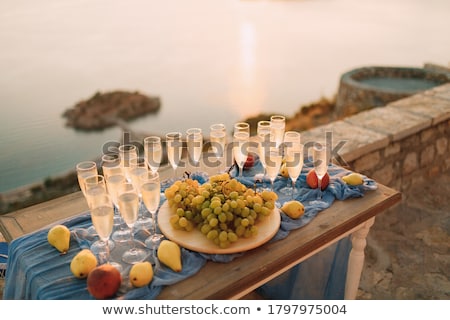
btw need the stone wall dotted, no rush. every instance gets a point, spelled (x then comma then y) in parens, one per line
(399, 144)
(356, 93)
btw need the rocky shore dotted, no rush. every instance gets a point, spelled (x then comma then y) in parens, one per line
(103, 109)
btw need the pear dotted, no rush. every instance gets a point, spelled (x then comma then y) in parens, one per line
(353, 179)
(169, 253)
(293, 209)
(141, 274)
(59, 237)
(284, 170)
(83, 263)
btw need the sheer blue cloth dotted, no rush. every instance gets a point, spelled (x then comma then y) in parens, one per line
(35, 270)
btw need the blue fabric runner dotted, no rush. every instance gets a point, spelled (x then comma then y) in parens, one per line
(35, 270)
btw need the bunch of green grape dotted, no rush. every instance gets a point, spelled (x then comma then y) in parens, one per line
(223, 209)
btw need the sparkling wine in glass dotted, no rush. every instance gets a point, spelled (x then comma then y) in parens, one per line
(129, 207)
(194, 141)
(174, 150)
(111, 164)
(241, 137)
(294, 164)
(113, 182)
(153, 152)
(273, 160)
(127, 152)
(151, 196)
(320, 161)
(218, 139)
(138, 167)
(102, 216)
(85, 169)
(263, 136)
(291, 140)
(277, 125)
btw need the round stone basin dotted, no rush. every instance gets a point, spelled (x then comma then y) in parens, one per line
(369, 87)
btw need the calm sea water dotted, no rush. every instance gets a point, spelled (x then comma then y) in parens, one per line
(209, 61)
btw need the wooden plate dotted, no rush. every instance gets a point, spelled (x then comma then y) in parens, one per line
(196, 241)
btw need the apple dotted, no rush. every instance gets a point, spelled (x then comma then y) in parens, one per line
(250, 162)
(312, 181)
(104, 281)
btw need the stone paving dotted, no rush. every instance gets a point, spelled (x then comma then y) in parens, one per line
(408, 247)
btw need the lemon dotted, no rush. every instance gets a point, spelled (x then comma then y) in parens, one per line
(293, 209)
(353, 179)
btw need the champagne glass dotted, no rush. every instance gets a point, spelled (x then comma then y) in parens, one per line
(153, 152)
(126, 153)
(113, 182)
(151, 196)
(174, 149)
(102, 216)
(94, 186)
(294, 163)
(85, 169)
(277, 125)
(291, 140)
(241, 136)
(129, 207)
(320, 164)
(111, 164)
(194, 139)
(273, 164)
(218, 138)
(138, 167)
(263, 135)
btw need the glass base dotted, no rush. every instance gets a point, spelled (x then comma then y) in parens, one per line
(152, 241)
(135, 255)
(99, 247)
(121, 235)
(144, 223)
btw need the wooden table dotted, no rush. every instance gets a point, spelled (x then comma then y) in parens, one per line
(258, 266)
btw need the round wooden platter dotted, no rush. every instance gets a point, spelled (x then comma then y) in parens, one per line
(196, 241)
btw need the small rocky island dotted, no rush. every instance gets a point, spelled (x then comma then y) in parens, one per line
(103, 109)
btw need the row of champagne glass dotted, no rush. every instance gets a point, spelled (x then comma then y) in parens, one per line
(121, 189)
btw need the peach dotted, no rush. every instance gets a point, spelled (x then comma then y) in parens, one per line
(104, 281)
(312, 181)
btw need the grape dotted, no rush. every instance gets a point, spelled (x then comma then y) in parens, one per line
(223, 209)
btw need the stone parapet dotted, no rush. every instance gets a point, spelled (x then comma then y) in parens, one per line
(404, 142)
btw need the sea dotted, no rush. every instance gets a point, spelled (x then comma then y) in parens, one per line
(208, 61)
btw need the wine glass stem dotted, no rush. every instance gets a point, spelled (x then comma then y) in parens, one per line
(133, 244)
(319, 186)
(293, 189)
(106, 251)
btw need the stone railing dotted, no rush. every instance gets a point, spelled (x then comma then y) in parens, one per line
(403, 142)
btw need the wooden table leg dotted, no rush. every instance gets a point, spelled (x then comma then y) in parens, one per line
(356, 259)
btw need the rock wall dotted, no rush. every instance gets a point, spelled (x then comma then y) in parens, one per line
(405, 142)
(356, 92)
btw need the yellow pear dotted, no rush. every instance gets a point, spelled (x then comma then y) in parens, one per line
(83, 263)
(169, 253)
(59, 237)
(141, 274)
(293, 209)
(353, 179)
(284, 170)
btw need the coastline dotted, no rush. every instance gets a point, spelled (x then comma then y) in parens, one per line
(306, 117)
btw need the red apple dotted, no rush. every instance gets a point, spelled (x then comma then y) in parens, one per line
(312, 181)
(250, 162)
(104, 281)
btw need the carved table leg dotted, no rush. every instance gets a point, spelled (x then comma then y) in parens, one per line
(356, 259)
